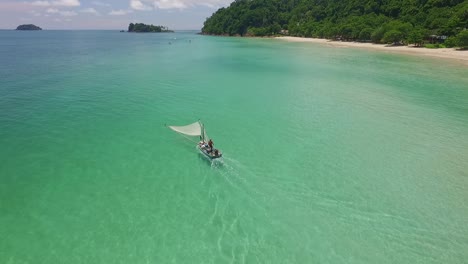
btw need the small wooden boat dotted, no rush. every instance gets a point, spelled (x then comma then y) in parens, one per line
(197, 129)
(208, 152)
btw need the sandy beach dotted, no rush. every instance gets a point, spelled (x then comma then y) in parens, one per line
(446, 53)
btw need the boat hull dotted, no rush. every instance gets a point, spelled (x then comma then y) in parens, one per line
(209, 154)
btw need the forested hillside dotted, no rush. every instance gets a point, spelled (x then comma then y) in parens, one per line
(361, 20)
(140, 27)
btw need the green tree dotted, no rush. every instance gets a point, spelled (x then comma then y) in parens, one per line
(451, 42)
(348, 19)
(416, 37)
(393, 36)
(377, 35)
(462, 39)
(365, 34)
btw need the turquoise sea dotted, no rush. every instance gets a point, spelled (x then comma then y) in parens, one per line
(331, 155)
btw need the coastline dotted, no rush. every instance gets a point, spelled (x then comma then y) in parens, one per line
(443, 53)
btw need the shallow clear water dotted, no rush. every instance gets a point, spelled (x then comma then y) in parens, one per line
(331, 155)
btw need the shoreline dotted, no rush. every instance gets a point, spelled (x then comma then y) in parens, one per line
(460, 56)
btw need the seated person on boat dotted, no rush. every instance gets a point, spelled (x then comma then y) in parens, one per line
(206, 146)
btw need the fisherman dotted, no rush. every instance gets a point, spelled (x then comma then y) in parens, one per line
(210, 143)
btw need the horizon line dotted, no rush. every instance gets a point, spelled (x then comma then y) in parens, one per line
(89, 29)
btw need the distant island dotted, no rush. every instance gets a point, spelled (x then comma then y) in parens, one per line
(28, 27)
(421, 23)
(142, 28)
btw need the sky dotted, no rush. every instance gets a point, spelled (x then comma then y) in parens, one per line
(107, 14)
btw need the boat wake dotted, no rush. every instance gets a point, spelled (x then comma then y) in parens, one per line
(236, 201)
(240, 177)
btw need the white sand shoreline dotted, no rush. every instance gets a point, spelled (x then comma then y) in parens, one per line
(445, 53)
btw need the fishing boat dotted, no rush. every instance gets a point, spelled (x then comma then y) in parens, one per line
(204, 145)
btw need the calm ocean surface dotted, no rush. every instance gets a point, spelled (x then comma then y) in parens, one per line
(332, 155)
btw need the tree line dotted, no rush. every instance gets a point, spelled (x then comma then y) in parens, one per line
(377, 21)
(140, 27)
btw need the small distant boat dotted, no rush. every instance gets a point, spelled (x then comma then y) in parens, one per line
(205, 145)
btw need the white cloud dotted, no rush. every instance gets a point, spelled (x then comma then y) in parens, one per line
(34, 13)
(68, 13)
(138, 5)
(68, 3)
(120, 12)
(182, 4)
(7, 6)
(52, 10)
(90, 10)
(40, 3)
(171, 4)
(210, 5)
(99, 3)
(62, 13)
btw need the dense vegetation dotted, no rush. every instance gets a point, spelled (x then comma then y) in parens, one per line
(28, 27)
(140, 27)
(379, 21)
